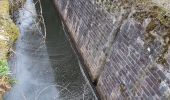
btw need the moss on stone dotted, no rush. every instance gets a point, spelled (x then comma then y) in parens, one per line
(159, 19)
(142, 10)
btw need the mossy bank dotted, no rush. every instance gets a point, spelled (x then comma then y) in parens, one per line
(8, 34)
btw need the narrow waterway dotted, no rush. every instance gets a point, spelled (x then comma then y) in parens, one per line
(45, 69)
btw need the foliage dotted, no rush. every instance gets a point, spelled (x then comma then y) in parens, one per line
(4, 69)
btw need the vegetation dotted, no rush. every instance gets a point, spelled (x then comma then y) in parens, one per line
(8, 34)
(4, 78)
(4, 69)
(8, 30)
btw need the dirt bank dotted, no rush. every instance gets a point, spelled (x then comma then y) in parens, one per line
(8, 34)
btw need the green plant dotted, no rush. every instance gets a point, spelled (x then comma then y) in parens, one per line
(4, 69)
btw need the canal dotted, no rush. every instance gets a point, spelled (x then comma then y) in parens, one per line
(44, 63)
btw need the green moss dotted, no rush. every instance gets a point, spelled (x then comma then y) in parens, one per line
(161, 15)
(122, 88)
(161, 60)
(160, 21)
(149, 37)
(140, 16)
(151, 26)
(107, 4)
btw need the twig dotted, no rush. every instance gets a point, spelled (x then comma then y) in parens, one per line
(63, 88)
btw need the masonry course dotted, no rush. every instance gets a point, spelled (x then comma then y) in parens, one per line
(124, 48)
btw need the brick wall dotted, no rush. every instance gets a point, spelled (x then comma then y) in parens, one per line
(125, 50)
(130, 71)
(91, 28)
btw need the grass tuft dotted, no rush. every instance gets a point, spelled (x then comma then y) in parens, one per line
(4, 69)
(5, 84)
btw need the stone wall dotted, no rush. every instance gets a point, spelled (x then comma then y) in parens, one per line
(92, 29)
(124, 44)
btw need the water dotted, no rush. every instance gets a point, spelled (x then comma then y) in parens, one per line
(45, 69)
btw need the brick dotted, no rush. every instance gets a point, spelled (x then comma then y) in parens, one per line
(145, 90)
(131, 61)
(144, 97)
(125, 40)
(134, 70)
(125, 36)
(123, 49)
(132, 78)
(155, 75)
(117, 58)
(134, 57)
(150, 90)
(138, 48)
(128, 68)
(168, 82)
(161, 74)
(153, 79)
(125, 94)
(156, 89)
(143, 61)
(123, 72)
(149, 81)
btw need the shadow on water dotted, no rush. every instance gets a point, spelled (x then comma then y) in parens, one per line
(45, 70)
